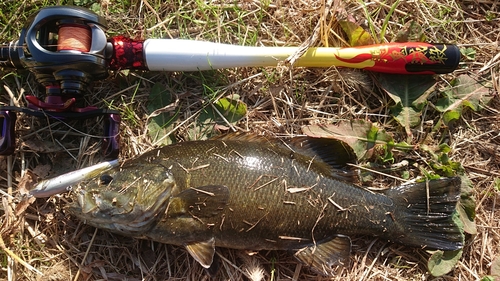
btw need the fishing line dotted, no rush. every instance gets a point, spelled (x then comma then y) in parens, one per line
(60, 121)
(74, 37)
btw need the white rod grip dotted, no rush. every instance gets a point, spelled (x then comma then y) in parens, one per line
(190, 55)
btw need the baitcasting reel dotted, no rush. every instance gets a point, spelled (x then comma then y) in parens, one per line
(66, 49)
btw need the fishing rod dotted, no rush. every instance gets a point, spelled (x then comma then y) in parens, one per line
(66, 48)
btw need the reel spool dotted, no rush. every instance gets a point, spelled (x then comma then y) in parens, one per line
(66, 48)
(74, 37)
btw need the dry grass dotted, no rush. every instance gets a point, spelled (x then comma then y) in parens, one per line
(280, 101)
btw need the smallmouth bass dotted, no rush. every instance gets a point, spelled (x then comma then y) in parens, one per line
(253, 193)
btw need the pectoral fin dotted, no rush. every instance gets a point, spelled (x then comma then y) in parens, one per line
(323, 257)
(202, 202)
(202, 252)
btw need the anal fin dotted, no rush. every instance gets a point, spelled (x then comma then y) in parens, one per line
(202, 252)
(324, 257)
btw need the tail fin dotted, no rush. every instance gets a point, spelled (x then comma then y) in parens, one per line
(425, 214)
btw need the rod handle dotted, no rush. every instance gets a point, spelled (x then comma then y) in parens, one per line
(398, 58)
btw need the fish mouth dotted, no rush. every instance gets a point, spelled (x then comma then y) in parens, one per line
(129, 211)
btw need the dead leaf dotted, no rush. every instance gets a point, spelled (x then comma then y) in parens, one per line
(23, 205)
(42, 146)
(3, 163)
(495, 268)
(362, 136)
(42, 171)
(26, 183)
(95, 264)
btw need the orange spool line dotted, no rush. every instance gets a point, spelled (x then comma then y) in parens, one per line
(74, 38)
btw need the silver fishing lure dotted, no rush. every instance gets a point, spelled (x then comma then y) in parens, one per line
(62, 183)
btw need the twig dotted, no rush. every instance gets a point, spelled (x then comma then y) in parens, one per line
(377, 172)
(369, 269)
(86, 254)
(16, 258)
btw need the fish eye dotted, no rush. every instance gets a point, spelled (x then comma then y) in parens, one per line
(105, 179)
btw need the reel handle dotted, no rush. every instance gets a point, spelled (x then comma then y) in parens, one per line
(7, 129)
(111, 126)
(65, 64)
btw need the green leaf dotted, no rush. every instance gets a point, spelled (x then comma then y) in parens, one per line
(442, 262)
(448, 169)
(159, 100)
(451, 115)
(465, 92)
(366, 139)
(409, 92)
(232, 109)
(223, 111)
(441, 162)
(488, 278)
(156, 133)
(356, 34)
(497, 184)
(406, 116)
(464, 210)
(411, 31)
(158, 97)
(96, 8)
(468, 53)
(467, 206)
(229, 108)
(444, 148)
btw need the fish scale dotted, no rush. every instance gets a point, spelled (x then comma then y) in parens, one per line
(247, 192)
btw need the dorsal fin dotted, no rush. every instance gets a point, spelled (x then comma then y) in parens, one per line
(242, 136)
(336, 154)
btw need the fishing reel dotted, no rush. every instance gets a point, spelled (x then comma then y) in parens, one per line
(66, 48)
